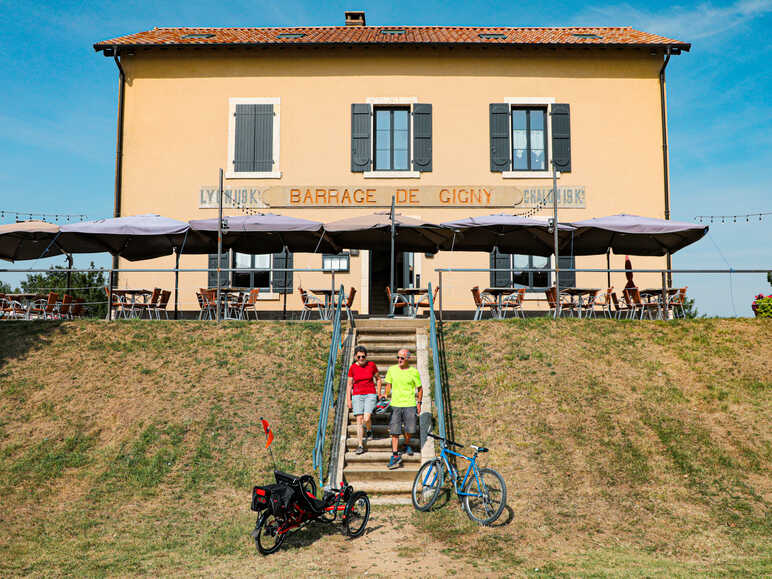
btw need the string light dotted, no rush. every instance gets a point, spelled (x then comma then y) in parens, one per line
(731, 218)
(29, 215)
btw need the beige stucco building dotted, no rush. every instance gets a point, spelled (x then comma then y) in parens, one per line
(326, 123)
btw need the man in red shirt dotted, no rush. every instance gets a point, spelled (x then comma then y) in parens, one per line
(360, 393)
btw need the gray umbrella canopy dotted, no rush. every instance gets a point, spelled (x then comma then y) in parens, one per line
(634, 235)
(134, 238)
(261, 233)
(507, 233)
(27, 240)
(373, 231)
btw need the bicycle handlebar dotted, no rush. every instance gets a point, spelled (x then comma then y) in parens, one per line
(446, 440)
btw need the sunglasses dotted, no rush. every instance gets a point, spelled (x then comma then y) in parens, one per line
(361, 356)
(401, 358)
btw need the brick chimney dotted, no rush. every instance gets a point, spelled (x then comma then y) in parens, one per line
(355, 18)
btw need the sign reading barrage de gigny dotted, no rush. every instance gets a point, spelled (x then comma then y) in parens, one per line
(308, 196)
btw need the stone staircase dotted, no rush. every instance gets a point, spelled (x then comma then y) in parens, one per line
(369, 471)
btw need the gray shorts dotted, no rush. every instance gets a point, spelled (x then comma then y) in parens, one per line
(407, 416)
(363, 403)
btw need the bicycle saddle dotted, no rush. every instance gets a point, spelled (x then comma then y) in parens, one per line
(479, 448)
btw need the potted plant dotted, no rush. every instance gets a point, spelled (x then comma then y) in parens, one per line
(762, 306)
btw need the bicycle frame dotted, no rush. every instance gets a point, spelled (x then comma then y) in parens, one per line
(454, 473)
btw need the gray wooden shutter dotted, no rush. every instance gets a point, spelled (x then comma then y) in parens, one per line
(281, 281)
(361, 129)
(254, 138)
(561, 137)
(499, 115)
(501, 261)
(213, 269)
(422, 137)
(567, 278)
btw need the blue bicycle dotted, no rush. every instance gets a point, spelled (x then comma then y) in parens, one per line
(483, 491)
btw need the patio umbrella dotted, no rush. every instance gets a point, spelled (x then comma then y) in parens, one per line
(373, 231)
(260, 233)
(507, 233)
(633, 234)
(134, 238)
(28, 240)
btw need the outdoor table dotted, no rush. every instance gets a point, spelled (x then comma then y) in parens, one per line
(579, 293)
(410, 294)
(329, 300)
(228, 295)
(132, 294)
(499, 293)
(655, 295)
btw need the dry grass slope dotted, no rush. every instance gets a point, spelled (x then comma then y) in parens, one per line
(623, 444)
(629, 448)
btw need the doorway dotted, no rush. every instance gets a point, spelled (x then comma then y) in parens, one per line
(380, 273)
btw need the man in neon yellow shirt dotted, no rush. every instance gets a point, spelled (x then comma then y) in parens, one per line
(404, 384)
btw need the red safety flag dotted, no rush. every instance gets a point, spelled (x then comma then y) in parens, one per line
(268, 433)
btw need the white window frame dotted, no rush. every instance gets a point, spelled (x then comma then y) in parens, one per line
(391, 101)
(527, 102)
(232, 102)
(265, 293)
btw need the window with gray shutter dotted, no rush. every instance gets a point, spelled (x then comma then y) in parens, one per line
(422, 137)
(281, 281)
(501, 261)
(212, 278)
(499, 132)
(567, 278)
(361, 130)
(253, 150)
(561, 137)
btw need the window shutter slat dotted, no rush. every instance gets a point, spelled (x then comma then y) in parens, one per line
(561, 137)
(278, 283)
(500, 261)
(263, 137)
(499, 127)
(212, 278)
(361, 129)
(422, 137)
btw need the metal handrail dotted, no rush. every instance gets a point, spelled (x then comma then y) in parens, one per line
(341, 409)
(439, 400)
(329, 379)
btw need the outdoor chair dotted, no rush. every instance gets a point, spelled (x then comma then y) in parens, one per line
(399, 302)
(633, 296)
(78, 308)
(424, 303)
(249, 303)
(310, 303)
(118, 306)
(203, 313)
(482, 303)
(44, 308)
(352, 292)
(605, 302)
(151, 306)
(161, 305)
(65, 307)
(621, 308)
(11, 309)
(678, 301)
(563, 306)
(210, 301)
(514, 302)
(587, 307)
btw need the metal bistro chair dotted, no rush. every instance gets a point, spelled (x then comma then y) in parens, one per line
(424, 303)
(44, 308)
(161, 305)
(310, 303)
(633, 297)
(587, 307)
(65, 308)
(400, 302)
(482, 302)
(78, 308)
(621, 308)
(514, 302)
(678, 301)
(249, 303)
(352, 292)
(605, 303)
(552, 300)
(118, 305)
(147, 307)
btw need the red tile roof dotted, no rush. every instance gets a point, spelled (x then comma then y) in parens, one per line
(371, 35)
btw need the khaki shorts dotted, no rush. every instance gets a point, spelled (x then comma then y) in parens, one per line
(403, 415)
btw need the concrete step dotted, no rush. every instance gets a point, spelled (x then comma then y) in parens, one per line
(385, 338)
(376, 418)
(383, 443)
(380, 472)
(385, 487)
(389, 324)
(391, 348)
(379, 430)
(378, 456)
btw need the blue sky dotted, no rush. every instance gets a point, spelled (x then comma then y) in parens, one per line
(59, 100)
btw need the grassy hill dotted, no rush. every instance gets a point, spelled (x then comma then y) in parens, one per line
(639, 448)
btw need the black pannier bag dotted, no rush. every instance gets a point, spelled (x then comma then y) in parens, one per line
(281, 499)
(261, 495)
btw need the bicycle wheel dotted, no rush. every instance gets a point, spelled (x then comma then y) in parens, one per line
(485, 504)
(267, 537)
(427, 484)
(357, 514)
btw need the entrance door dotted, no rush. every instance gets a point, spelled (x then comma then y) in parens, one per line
(380, 272)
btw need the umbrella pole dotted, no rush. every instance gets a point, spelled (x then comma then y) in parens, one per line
(284, 306)
(176, 283)
(555, 229)
(391, 272)
(69, 272)
(608, 267)
(219, 243)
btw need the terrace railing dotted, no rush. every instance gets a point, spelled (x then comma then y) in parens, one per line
(439, 398)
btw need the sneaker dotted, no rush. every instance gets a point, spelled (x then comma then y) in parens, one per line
(360, 450)
(395, 461)
(408, 450)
